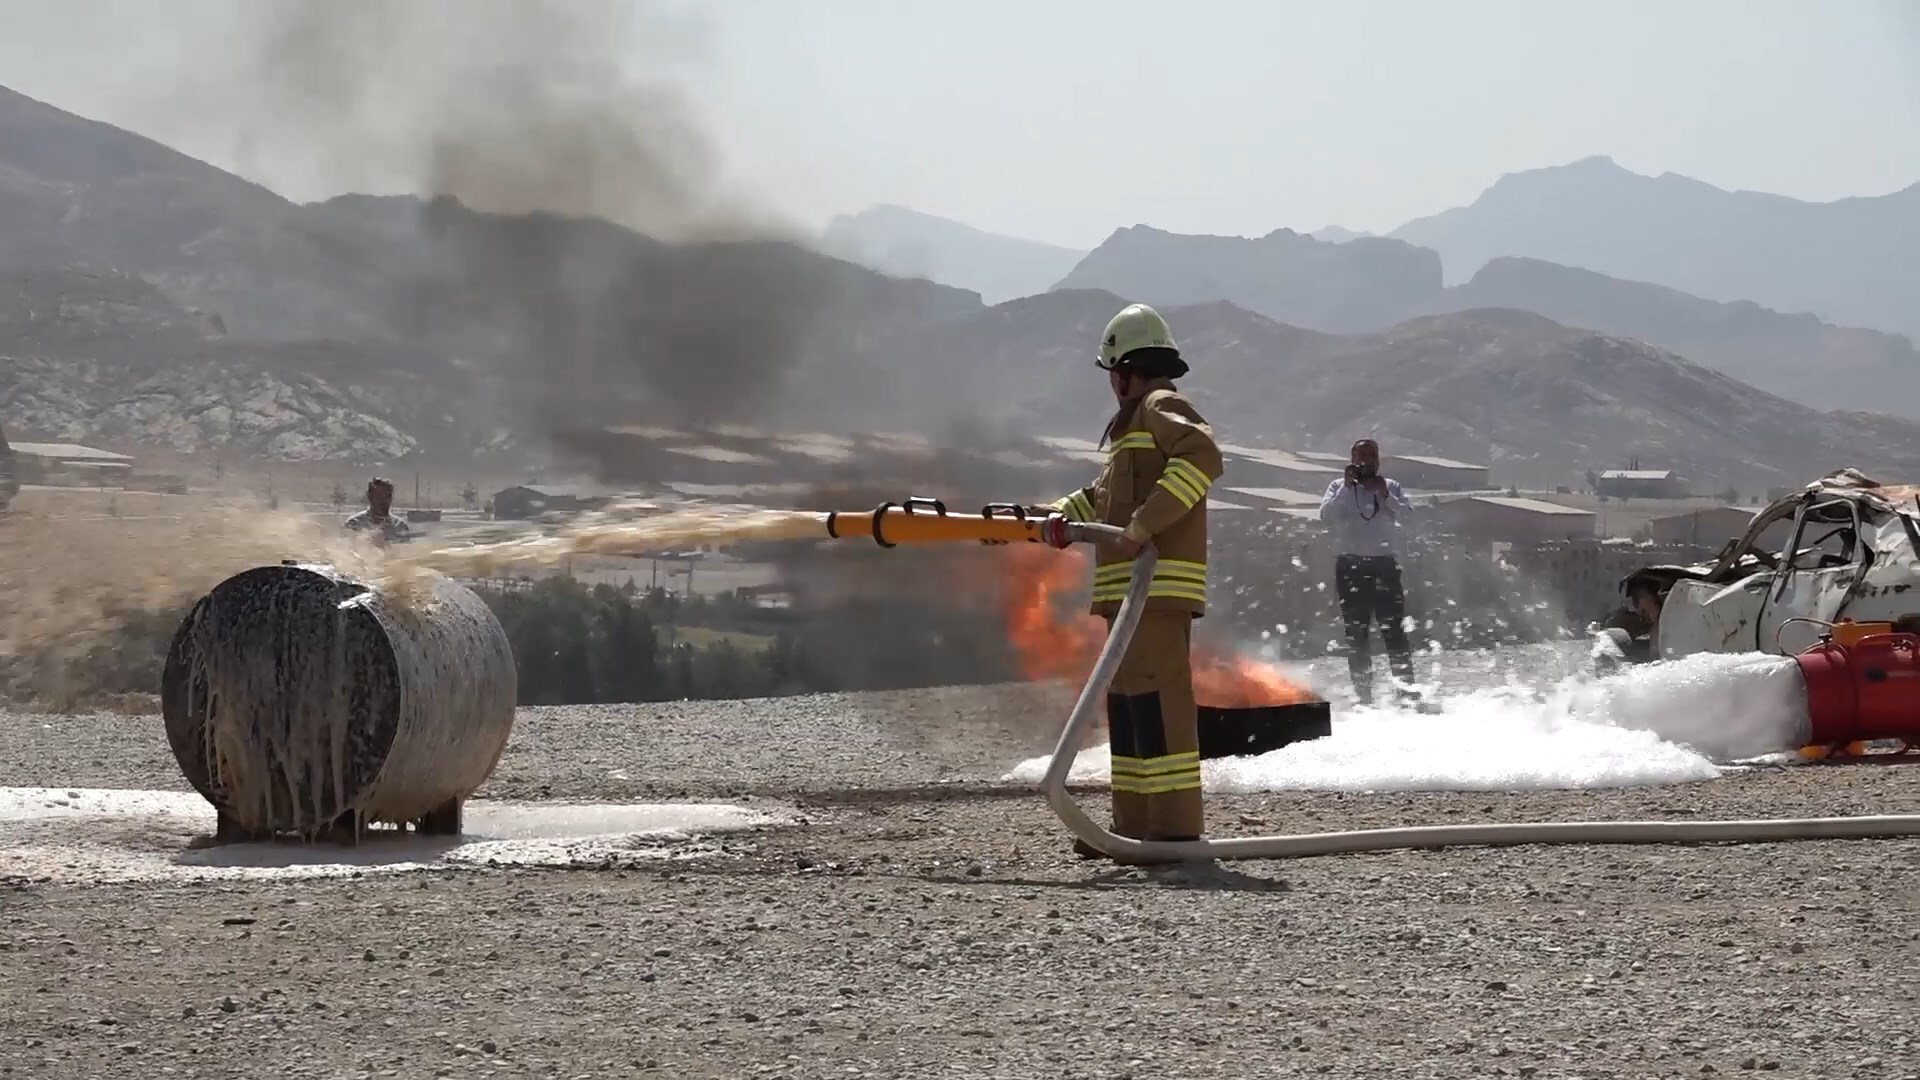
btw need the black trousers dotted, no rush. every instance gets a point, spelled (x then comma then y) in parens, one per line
(1370, 591)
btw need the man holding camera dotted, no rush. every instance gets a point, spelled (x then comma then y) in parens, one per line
(1364, 510)
(378, 518)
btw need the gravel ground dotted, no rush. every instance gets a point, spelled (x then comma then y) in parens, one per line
(923, 920)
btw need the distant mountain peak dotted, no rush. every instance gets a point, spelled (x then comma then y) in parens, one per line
(1339, 234)
(1853, 262)
(1596, 168)
(1288, 276)
(903, 242)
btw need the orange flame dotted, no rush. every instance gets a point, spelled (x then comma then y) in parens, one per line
(1056, 638)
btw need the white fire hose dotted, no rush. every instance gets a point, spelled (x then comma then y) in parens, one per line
(1054, 783)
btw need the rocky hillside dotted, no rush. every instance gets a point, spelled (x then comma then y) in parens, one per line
(1855, 262)
(1360, 284)
(106, 357)
(1366, 284)
(907, 243)
(1540, 401)
(149, 299)
(1795, 356)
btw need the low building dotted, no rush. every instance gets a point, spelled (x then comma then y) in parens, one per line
(1266, 498)
(1584, 575)
(1506, 519)
(1313, 470)
(1640, 484)
(524, 502)
(1434, 473)
(60, 464)
(1711, 527)
(1252, 467)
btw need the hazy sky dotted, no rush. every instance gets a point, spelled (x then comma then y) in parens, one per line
(1064, 119)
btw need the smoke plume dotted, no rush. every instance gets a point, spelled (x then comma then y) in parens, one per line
(540, 134)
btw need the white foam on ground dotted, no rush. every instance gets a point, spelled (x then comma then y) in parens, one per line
(105, 834)
(1675, 722)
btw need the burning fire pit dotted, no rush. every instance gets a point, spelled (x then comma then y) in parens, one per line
(1246, 706)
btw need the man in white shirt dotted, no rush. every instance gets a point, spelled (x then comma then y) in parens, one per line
(1364, 509)
(378, 518)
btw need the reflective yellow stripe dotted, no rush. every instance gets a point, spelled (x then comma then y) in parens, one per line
(1185, 481)
(1179, 490)
(1165, 590)
(1186, 568)
(1191, 472)
(1132, 440)
(1156, 775)
(1157, 766)
(1176, 579)
(1157, 787)
(1075, 507)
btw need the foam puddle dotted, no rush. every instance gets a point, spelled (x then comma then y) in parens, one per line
(101, 834)
(1678, 722)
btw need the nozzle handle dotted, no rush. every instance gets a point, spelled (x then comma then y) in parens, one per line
(1092, 532)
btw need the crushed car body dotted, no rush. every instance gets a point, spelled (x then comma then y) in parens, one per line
(1853, 552)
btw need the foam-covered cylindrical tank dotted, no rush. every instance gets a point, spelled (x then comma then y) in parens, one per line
(299, 700)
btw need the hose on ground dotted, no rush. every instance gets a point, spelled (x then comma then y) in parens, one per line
(1301, 845)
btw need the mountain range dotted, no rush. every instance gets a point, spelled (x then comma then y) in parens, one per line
(1539, 401)
(1853, 262)
(150, 299)
(905, 243)
(1344, 282)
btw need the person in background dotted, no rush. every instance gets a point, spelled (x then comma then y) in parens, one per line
(1364, 509)
(378, 517)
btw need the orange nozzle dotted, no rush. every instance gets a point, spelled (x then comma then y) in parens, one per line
(925, 521)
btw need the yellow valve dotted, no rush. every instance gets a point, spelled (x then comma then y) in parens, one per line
(1822, 753)
(1847, 633)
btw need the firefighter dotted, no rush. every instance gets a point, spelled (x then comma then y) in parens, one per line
(1161, 461)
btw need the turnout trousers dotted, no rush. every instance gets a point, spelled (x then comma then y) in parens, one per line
(1370, 591)
(1154, 729)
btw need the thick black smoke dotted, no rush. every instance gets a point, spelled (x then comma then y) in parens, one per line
(574, 239)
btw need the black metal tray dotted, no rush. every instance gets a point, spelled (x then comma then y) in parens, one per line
(1234, 732)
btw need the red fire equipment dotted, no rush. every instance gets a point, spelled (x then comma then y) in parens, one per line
(1862, 690)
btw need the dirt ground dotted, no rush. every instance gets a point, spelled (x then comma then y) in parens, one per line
(919, 920)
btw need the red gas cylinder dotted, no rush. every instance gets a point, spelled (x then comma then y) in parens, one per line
(1866, 690)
